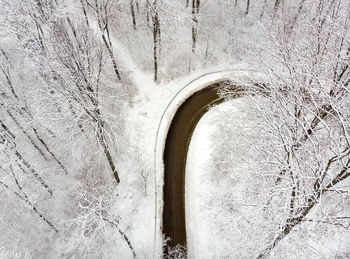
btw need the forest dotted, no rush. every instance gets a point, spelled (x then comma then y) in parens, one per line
(84, 83)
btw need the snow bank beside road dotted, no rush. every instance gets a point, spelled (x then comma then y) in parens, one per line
(199, 152)
(200, 229)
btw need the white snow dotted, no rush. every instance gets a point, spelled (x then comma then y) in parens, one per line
(199, 151)
(197, 189)
(148, 108)
(212, 230)
(148, 121)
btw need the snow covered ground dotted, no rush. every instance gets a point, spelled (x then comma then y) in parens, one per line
(147, 123)
(152, 119)
(198, 227)
(205, 239)
(41, 53)
(224, 194)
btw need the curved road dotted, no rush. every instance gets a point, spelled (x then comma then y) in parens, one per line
(175, 154)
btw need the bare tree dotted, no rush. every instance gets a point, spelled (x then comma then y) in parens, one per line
(17, 110)
(103, 10)
(308, 117)
(81, 59)
(153, 11)
(12, 169)
(8, 138)
(195, 13)
(22, 195)
(84, 7)
(94, 218)
(303, 165)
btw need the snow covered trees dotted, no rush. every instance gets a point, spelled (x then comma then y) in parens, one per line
(308, 115)
(64, 77)
(80, 59)
(58, 95)
(104, 12)
(95, 226)
(304, 107)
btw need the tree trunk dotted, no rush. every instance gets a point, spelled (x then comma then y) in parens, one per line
(133, 14)
(110, 52)
(31, 169)
(127, 240)
(248, 5)
(25, 163)
(27, 135)
(206, 52)
(277, 3)
(85, 14)
(155, 56)
(195, 12)
(156, 39)
(108, 155)
(32, 206)
(148, 6)
(49, 151)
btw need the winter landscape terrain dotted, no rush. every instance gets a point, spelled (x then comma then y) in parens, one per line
(89, 90)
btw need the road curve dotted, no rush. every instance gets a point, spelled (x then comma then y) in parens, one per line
(175, 154)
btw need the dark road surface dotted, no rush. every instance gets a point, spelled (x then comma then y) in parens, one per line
(175, 153)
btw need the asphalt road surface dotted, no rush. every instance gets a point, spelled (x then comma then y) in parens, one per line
(175, 154)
